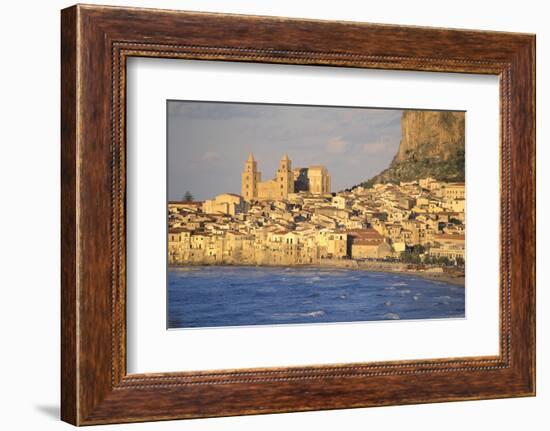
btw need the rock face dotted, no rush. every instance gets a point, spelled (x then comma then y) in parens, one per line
(432, 145)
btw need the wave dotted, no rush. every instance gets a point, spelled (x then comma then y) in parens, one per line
(400, 283)
(392, 316)
(316, 313)
(312, 280)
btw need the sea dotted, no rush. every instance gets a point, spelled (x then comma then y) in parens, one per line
(226, 296)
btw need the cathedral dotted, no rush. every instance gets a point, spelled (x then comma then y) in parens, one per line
(314, 179)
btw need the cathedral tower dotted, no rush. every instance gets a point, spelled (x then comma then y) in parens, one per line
(250, 179)
(314, 180)
(285, 177)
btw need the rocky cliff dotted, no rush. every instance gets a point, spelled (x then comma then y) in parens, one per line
(432, 145)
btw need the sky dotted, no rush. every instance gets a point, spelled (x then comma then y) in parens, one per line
(209, 142)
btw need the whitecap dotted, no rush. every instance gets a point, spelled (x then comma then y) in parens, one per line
(312, 280)
(392, 316)
(314, 313)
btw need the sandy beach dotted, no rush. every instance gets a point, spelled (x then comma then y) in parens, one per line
(454, 276)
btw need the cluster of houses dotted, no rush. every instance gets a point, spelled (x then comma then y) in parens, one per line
(308, 227)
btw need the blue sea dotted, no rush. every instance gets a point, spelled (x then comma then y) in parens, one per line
(217, 296)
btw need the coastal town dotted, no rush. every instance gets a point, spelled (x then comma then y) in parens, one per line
(295, 219)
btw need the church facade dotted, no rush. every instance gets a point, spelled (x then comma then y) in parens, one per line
(315, 180)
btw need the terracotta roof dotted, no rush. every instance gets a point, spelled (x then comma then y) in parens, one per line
(193, 203)
(230, 194)
(178, 230)
(364, 234)
(235, 233)
(367, 241)
(445, 236)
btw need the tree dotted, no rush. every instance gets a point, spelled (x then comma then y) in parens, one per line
(418, 249)
(409, 256)
(444, 260)
(188, 196)
(429, 259)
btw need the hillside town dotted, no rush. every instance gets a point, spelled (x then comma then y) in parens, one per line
(295, 219)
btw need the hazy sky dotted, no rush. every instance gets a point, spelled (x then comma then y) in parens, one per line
(208, 143)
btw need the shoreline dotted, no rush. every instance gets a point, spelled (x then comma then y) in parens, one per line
(450, 277)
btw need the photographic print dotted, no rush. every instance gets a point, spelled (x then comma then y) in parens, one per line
(295, 214)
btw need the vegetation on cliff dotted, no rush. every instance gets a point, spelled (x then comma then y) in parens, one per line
(432, 145)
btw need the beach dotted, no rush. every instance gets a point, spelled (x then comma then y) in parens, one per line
(451, 275)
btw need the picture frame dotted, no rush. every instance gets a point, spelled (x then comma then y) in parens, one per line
(96, 41)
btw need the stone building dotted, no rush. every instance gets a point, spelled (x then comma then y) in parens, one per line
(318, 180)
(454, 191)
(315, 180)
(226, 203)
(368, 244)
(449, 246)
